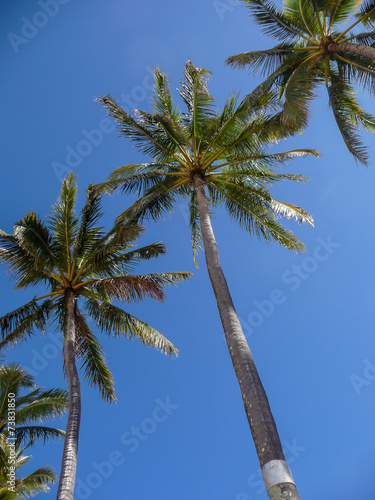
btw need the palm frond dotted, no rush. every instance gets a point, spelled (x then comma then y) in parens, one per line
(273, 21)
(20, 323)
(32, 433)
(366, 13)
(255, 215)
(145, 137)
(263, 61)
(36, 482)
(64, 223)
(339, 98)
(93, 361)
(162, 98)
(116, 322)
(199, 102)
(291, 212)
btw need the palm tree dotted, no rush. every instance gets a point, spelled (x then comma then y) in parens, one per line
(31, 408)
(35, 482)
(214, 159)
(36, 406)
(316, 46)
(77, 261)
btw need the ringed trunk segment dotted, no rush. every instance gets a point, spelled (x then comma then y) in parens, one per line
(352, 48)
(257, 408)
(69, 460)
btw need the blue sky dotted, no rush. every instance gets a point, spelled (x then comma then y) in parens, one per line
(179, 429)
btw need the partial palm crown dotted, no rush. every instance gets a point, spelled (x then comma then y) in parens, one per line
(72, 255)
(226, 150)
(35, 482)
(30, 409)
(317, 47)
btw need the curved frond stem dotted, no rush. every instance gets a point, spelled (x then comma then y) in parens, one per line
(239, 187)
(298, 247)
(332, 20)
(217, 155)
(360, 20)
(303, 49)
(351, 63)
(286, 26)
(304, 20)
(59, 292)
(317, 12)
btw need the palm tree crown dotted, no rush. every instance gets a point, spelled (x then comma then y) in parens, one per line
(226, 150)
(68, 254)
(31, 410)
(317, 46)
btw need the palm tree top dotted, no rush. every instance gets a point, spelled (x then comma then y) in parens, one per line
(227, 150)
(32, 408)
(71, 254)
(316, 42)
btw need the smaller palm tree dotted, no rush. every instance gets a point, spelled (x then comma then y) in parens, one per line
(317, 47)
(31, 408)
(25, 487)
(84, 269)
(28, 409)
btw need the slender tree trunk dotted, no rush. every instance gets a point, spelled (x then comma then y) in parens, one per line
(69, 460)
(352, 48)
(276, 474)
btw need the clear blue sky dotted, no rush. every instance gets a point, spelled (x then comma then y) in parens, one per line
(314, 348)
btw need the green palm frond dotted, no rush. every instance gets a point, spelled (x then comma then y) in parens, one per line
(273, 21)
(366, 14)
(340, 10)
(162, 99)
(36, 482)
(32, 433)
(263, 61)
(21, 323)
(252, 209)
(64, 223)
(26, 267)
(88, 233)
(42, 404)
(199, 102)
(339, 98)
(298, 93)
(145, 137)
(93, 361)
(134, 288)
(116, 322)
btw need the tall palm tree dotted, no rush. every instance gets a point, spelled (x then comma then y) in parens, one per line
(77, 261)
(317, 47)
(28, 409)
(214, 159)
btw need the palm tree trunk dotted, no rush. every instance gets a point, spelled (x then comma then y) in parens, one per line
(69, 460)
(352, 48)
(276, 474)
